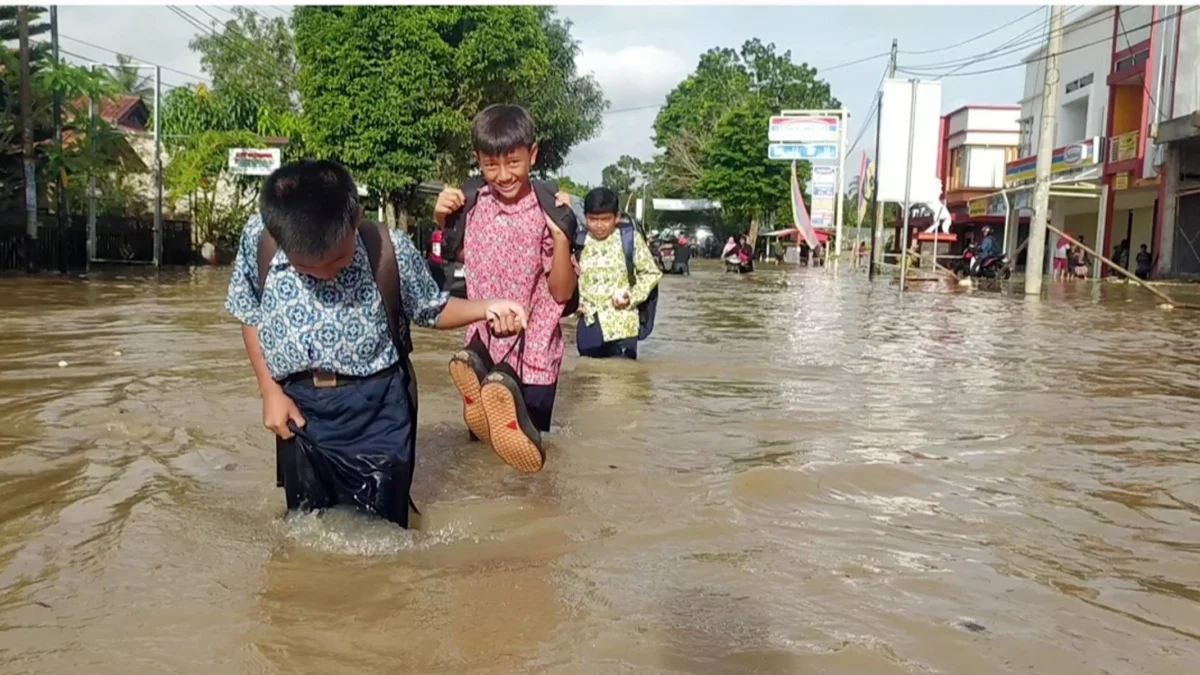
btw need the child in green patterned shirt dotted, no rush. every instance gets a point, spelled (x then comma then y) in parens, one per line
(617, 275)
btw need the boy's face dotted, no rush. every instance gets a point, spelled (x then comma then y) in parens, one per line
(508, 173)
(328, 267)
(600, 225)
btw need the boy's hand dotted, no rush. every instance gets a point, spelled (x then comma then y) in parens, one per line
(621, 300)
(278, 410)
(562, 198)
(449, 200)
(506, 318)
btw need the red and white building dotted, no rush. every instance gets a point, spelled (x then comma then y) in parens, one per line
(977, 142)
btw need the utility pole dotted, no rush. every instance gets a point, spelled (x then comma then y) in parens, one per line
(1035, 255)
(876, 205)
(61, 196)
(26, 93)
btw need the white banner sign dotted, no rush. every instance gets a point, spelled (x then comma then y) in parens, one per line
(685, 204)
(803, 129)
(893, 164)
(254, 161)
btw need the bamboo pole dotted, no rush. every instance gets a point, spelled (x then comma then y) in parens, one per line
(1132, 277)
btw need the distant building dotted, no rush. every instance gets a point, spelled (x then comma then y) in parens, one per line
(1125, 73)
(977, 143)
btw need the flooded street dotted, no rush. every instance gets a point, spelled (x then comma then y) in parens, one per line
(802, 475)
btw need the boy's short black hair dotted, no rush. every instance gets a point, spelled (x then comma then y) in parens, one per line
(601, 201)
(502, 128)
(309, 207)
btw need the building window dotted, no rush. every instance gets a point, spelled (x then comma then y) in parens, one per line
(1025, 149)
(956, 168)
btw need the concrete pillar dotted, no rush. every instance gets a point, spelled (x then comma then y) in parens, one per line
(1168, 209)
(1104, 211)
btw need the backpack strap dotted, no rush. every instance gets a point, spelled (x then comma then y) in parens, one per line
(563, 216)
(382, 256)
(454, 233)
(627, 242)
(267, 248)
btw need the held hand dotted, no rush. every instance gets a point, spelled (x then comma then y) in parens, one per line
(621, 300)
(278, 409)
(506, 318)
(449, 200)
(562, 198)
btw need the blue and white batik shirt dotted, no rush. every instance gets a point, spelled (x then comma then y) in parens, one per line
(339, 325)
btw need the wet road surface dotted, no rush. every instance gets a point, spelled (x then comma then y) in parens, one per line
(802, 475)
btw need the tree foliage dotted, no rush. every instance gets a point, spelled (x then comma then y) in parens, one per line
(198, 178)
(390, 91)
(97, 152)
(251, 57)
(712, 132)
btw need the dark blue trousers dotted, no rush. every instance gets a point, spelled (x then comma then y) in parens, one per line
(358, 447)
(591, 344)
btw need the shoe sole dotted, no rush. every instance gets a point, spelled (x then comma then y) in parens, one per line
(469, 387)
(508, 440)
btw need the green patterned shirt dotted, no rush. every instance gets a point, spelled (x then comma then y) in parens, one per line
(602, 273)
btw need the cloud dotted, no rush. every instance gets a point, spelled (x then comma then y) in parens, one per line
(632, 79)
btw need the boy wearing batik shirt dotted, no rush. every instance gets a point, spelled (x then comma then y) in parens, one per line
(512, 250)
(609, 296)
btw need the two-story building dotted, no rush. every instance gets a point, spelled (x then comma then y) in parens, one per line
(977, 143)
(1118, 78)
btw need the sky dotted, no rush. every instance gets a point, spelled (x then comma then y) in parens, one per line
(639, 53)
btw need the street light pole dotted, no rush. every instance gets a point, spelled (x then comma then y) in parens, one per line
(1035, 256)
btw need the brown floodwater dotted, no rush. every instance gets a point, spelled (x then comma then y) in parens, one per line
(803, 474)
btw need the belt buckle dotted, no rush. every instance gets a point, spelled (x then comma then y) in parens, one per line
(323, 380)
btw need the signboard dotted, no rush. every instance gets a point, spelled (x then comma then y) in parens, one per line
(977, 207)
(803, 129)
(1121, 181)
(803, 151)
(894, 163)
(1067, 158)
(684, 204)
(986, 206)
(254, 161)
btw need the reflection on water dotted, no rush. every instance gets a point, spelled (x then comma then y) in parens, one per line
(802, 474)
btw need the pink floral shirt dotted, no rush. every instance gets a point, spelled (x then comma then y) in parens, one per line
(507, 253)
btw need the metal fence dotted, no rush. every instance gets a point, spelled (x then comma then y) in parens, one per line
(65, 248)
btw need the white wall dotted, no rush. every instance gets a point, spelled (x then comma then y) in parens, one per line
(1093, 25)
(984, 138)
(1133, 27)
(1187, 80)
(958, 122)
(985, 168)
(987, 119)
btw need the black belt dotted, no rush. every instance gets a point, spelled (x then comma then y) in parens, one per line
(323, 379)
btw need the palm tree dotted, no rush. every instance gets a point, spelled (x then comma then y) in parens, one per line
(132, 80)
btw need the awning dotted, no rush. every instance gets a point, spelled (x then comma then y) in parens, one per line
(822, 235)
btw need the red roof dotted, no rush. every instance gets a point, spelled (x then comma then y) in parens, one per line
(116, 111)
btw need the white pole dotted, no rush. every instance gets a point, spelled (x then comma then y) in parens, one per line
(1036, 253)
(912, 126)
(841, 187)
(91, 194)
(158, 174)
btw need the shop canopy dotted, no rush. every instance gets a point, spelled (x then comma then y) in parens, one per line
(822, 235)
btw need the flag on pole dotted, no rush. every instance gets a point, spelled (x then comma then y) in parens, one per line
(862, 192)
(800, 214)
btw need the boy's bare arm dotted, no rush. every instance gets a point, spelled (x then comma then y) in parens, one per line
(278, 408)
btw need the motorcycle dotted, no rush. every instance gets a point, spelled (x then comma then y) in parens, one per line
(980, 267)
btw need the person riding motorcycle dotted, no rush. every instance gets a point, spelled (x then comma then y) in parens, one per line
(987, 246)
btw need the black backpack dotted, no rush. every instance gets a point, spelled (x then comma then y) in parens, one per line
(454, 233)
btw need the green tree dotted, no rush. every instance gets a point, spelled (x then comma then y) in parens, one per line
(129, 79)
(712, 132)
(198, 178)
(397, 109)
(566, 184)
(254, 56)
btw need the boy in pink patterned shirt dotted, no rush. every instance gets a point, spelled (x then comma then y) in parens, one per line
(511, 249)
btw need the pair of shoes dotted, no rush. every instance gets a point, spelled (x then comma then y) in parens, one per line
(494, 410)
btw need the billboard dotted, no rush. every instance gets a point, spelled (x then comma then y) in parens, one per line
(1067, 158)
(802, 129)
(254, 161)
(813, 152)
(893, 163)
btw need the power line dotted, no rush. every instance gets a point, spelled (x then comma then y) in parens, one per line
(964, 65)
(977, 37)
(1128, 45)
(874, 111)
(1024, 63)
(1034, 36)
(855, 62)
(121, 53)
